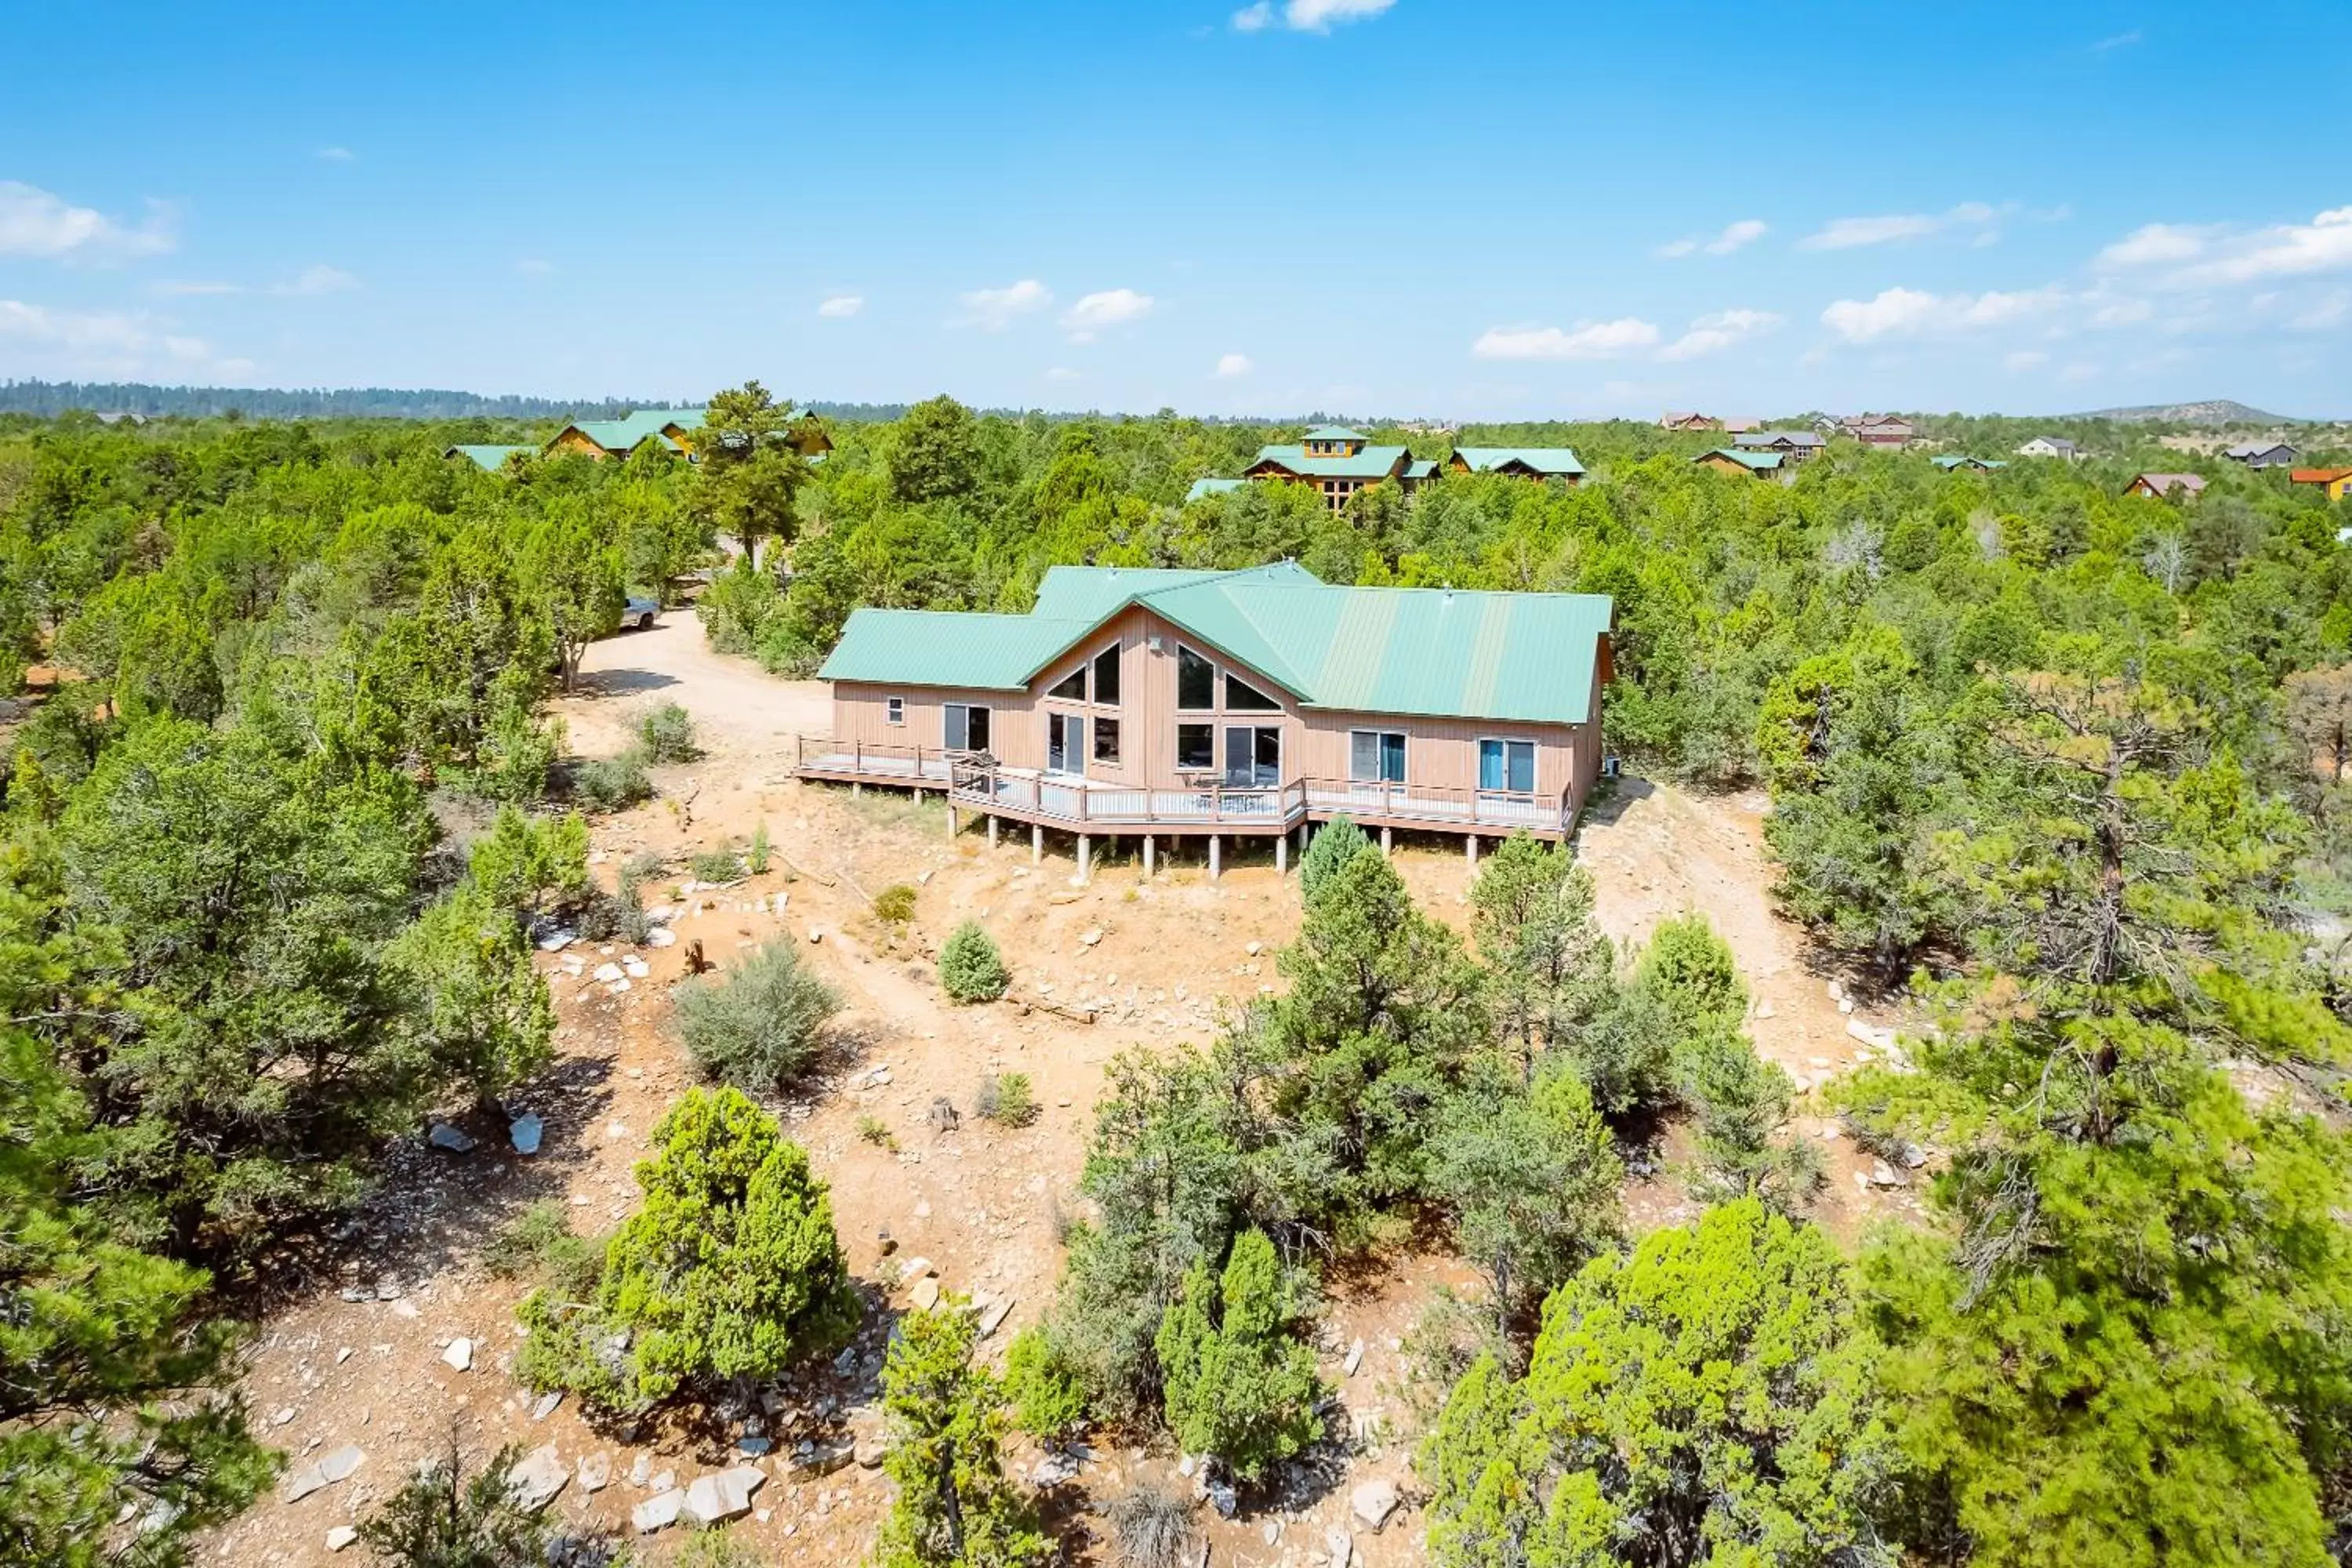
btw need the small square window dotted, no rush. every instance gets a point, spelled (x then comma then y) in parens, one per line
(1105, 740)
(894, 711)
(1196, 746)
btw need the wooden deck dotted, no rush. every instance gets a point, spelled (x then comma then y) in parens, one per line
(1207, 806)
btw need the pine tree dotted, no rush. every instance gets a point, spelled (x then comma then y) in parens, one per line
(1240, 1385)
(954, 1508)
(1549, 964)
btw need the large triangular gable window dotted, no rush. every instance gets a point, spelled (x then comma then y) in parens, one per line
(1241, 697)
(1073, 686)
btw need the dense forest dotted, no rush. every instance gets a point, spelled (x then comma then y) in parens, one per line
(2069, 768)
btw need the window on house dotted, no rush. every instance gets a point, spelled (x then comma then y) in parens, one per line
(1196, 680)
(1196, 746)
(1508, 765)
(1107, 677)
(894, 709)
(1073, 686)
(967, 726)
(1376, 756)
(1105, 740)
(1066, 743)
(1244, 697)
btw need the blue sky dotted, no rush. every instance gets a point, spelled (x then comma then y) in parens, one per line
(1459, 209)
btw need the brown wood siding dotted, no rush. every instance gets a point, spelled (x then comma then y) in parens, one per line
(573, 441)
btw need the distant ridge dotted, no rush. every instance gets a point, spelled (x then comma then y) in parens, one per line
(2220, 411)
(55, 397)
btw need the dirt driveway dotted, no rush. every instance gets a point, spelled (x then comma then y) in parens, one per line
(739, 707)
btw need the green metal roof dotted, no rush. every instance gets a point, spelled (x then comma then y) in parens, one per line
(490, 458)
(1212, 488)
(1763, 462)
(623, 435)
(1542, 460)
(1948, 463)
(1367, 463)
(1420, 469)
(1333, 432)
(1430, 652)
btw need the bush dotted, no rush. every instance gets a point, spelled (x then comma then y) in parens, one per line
(1239, 1384)
(874, 1131)
(717, 866)
(1006, 1099)
(441, 1517)
(1153, 1529)
(1048, 1401)
(971, 969)
(540, 1245)
(613, 783)
(731, 1271)
(895, 905)
(757, 1026)
(667, 734)
(1335, 844)
(759, 855)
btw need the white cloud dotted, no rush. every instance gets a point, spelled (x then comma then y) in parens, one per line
(1587, 340)
(1746, 232)
(1231, 366)
(1716, 333)
(1109, 308)
(838, 306)
(33, 222)
(1849, 232)
(336, 154)
(172, 288)
(2192, 256)
(533, 266)
(993, 309)
(319, 280)
(2154, 244)
(1307, 16)
(1901, 313)
(2119, 41)
(2025, 360)
(97, 343)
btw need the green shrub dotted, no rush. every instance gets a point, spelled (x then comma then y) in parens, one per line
(613, 783)
(1048, 1401)
(717, 866)
(667, 735)
(1006, 1099)
(539, 1245)
(442, 1517)
(876, 1131)
(759, 853)
(729, 1273)
(895, 905)
(757, 1026)
(1239, 1384)
(1335, 844)
(971, 969)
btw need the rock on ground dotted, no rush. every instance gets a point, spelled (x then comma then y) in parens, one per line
(658, 1511)
(336, 1466)
(724, 1495)
(537, 1477)
(1372, 1503)
(459, 1355)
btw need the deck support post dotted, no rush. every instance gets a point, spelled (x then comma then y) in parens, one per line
(1216, 840)
(1086, 857)
(1147, 856)
(1282, 854)
(1036, 844)
(855, 789)
(1306, 835)
(1470, 847)
(955, 821)
(992, 830)
(1385, 844)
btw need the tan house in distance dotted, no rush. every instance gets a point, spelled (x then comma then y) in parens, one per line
(1149, 703)
(2156, 487)
(1338, 462)
(1678, 421)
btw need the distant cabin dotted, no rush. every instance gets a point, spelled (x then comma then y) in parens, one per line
(1741, 426)
(1673, 420)
(1879, 429)
(1521, 462)
(2261, 454)
(1337, 462)
(2050, 447)
(489, 459)
(1744, 464)
(1202, 489)
(1953, 462)
(2336, 484)
(676, 429)
(2156, 487)
(1796, 446)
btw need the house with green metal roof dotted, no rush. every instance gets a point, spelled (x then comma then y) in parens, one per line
(1153, 702)
(1523, 462)
(602, 438)
(491, 458)
(1951, 461)
(1746, 464)
(1338, 462)
(1202, 489)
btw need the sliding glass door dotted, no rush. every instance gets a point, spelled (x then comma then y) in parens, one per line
(1253, 756)
(1066, 743)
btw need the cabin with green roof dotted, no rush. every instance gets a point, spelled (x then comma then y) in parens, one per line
(1338, 462)
(1521, 462)
(1746, 464)
(1140, 702)
(602, 438)
(489, 459)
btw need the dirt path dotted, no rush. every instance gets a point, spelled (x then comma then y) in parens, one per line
(358, 1357)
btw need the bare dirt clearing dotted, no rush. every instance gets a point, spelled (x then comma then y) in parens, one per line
(363, 1354)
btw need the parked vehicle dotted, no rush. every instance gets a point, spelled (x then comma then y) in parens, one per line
(638, 614)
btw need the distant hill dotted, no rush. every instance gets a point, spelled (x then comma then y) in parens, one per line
(55, 397)
(2222, 411)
